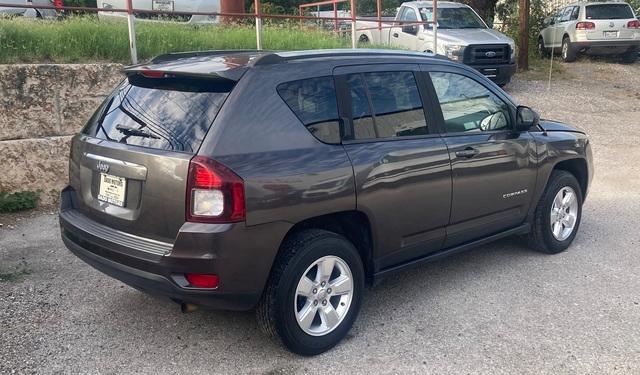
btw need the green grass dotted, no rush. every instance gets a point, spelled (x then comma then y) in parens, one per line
(15, 273)
(539, 69)
(19, 201)
(85, 39)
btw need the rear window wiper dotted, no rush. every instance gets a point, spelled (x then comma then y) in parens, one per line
(133, 132)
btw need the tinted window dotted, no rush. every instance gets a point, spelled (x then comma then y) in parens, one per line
(409, 15)
(575, 13)
(468, 106)
(166, 114)
(385, 105)
(314, 102)
(453, 18)
(608, 12)
(566, 14)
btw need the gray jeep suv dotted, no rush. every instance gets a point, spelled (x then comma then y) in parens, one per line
(290, 181)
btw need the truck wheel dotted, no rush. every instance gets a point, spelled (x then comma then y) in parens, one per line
(363, 40)
(542, 50)
(568, 54)
(314, 292)
(557, 216)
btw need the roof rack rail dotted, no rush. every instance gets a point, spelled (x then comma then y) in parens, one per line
(183, 55)
(275, 58)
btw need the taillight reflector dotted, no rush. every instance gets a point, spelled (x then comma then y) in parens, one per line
(202, 280)
(585, 25)
(215, 194)
(635, 24)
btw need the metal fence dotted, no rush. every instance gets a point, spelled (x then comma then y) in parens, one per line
(130, 12)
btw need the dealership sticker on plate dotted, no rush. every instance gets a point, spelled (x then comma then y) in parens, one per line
(112, 189)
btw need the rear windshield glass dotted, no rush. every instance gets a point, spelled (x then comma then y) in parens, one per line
(608, 12)
(167, 114)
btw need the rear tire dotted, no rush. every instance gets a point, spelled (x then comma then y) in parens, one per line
(568, 54)
(298, 305)
(364, 40)
(556, 222)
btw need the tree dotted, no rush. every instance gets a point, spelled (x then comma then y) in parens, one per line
(485, 8)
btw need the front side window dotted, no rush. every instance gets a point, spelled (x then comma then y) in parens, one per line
(314, 102)
(468, 106)
(386, 105)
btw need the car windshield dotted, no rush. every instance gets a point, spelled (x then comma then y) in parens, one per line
(453, 18)
(608, 12)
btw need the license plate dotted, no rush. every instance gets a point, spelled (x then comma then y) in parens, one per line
(112, 189)
(162, 5)
(610, 34)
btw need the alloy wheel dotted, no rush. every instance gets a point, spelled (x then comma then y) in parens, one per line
(323, 296)
(564, 213)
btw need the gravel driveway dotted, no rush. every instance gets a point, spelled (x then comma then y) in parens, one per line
(498, 309)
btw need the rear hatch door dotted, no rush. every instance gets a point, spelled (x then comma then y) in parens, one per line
(130, 164)
(611, 21)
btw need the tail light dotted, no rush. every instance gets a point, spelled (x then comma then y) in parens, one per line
(585, 26)
(214, 193)
(202, 280)
(635, 24)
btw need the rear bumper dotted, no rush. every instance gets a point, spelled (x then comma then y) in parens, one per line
(241, 256)
(603, 46)
(499, 73)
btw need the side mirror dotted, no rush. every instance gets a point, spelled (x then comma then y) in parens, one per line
(547, 21)
(526, 118)
(410, 29)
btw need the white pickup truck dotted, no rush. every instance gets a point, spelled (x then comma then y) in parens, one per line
(462, 36)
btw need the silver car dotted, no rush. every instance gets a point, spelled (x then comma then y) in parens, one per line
(148, 8)
(595, 28)
(28, 12)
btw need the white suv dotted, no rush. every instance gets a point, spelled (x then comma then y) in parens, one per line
(595, 28)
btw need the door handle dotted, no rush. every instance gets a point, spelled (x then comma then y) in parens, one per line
(468, 152)
(395, 35)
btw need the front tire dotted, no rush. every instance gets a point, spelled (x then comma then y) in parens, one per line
(314, 292)
(568, 54)
(543, 53)
(557, 216)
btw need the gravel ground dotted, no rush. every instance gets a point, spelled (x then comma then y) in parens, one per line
(499, 309)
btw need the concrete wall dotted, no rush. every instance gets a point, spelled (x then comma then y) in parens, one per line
(41, 107)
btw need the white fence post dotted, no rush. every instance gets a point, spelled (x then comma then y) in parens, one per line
(354, 44)
(434, 26)
(258, 13)
(132, 33)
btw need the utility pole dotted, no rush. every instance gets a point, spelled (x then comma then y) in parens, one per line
(523, 42)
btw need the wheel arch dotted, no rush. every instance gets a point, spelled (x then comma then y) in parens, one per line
(579, 169)
(353, 225)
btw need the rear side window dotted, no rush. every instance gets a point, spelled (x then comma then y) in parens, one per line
(314, 102)
(167, 114)
(386, 105)
(608, 12)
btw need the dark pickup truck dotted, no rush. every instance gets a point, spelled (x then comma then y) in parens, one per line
(290, 181)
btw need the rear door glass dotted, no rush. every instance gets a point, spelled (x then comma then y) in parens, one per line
(608, 12)
(167, 114)
(314, 102)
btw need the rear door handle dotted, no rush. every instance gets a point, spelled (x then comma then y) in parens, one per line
(468, 152)
(395, 35)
